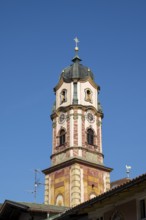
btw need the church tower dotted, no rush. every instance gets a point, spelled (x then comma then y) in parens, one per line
(77, 171)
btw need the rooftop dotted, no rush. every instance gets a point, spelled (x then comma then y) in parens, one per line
(76, 71)
(120, 192)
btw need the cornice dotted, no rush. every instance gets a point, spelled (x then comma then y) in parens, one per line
(74, 107)
(73, 161)
(87, 79)
(80, 148)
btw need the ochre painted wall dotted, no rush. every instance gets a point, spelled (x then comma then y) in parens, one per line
(75, 184)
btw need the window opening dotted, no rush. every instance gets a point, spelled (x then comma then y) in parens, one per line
(142, 209)
(88, 95)
(63, 96)
(59, 200)
(117, 216)
(90, 136)
(62, 137)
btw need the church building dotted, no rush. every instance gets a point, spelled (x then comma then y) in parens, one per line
(77, 171)
(77, 184)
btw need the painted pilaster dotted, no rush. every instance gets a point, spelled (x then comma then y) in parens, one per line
(83, 129)
(46, 189)
(68, 129)
(82, 186)
(75, 185)
(79, 127)
(71, 128)
(75, 117)
(100, 134)
(79, 93)
(54, 135)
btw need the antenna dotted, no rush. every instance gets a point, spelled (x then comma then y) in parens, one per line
(128, 169)
(37, 183)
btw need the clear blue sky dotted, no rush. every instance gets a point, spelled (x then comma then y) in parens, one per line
(36, 43)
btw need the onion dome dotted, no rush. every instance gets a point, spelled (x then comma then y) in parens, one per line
(76, 71)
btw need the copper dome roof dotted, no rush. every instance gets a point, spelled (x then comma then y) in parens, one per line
(76, 71)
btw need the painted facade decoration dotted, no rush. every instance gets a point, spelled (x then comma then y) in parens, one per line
(123, 202)
(77, 171)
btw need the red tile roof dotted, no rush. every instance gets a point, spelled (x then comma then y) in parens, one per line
(110, 193)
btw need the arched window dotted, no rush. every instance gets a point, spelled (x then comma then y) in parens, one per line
(59, 200)
(63, 96)
(92, 195)
(117, 216)
(90, 136)
(62, 136)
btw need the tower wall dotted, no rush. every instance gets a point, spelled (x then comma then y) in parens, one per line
(75, 184)
(76, 125)
(82, 87)
(77, 171)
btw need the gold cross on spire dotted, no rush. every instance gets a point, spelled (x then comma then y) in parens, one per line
(76, 41)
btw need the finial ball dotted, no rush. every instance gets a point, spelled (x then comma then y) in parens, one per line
(76, 42)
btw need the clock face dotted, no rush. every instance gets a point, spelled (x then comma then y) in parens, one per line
(61, 118)
(90, 117)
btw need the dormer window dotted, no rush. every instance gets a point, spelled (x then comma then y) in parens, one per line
(88, 95)
(63, 96)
